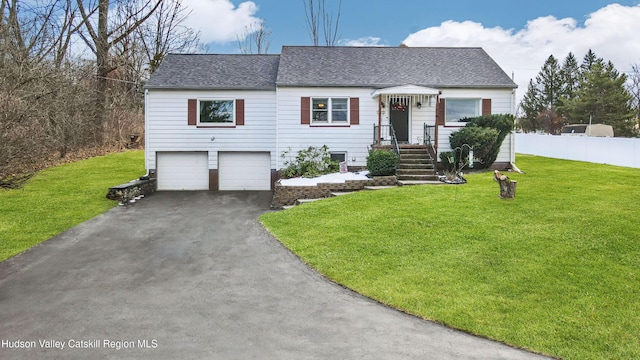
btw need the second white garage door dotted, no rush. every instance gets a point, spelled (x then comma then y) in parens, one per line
(244, 170)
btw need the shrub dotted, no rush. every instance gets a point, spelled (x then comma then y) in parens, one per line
(309, 162)
(485, 134)
(382, 162)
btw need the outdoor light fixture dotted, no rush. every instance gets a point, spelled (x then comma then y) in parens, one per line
(321, 105)
(419, 104)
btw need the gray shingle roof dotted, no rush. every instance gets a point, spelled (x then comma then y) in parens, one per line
(380, 67)
(374, 67)
(214, 71)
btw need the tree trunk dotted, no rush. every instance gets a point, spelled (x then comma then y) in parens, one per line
(507, 186)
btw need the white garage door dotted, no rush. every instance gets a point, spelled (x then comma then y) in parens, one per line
(244, 170)
(183, 170)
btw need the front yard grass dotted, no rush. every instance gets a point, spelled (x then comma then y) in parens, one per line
(61, 197)
(557, 270)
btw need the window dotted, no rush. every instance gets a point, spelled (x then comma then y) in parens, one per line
(218, 112)
(339, 156)
(458, 109)
(330, 111)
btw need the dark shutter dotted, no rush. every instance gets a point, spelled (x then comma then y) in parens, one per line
(486, 107)
(354, 111)
(239, 112)
(305, 110)
(192, 112)
(440, 112)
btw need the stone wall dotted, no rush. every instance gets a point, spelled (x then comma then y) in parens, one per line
(287, 195)
(125, 192)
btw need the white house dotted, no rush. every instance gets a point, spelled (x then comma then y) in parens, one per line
(221, 122)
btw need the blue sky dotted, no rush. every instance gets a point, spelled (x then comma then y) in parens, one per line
(519, 35)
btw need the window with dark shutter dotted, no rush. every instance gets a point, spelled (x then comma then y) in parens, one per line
(239, 112)
(354, 111)
(440, 112)
(305, 110)
(192, 111)
(486, 107)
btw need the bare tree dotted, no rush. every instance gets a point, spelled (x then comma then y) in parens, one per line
(102, 38)
(164, 33)
(319, 19)
(257, 36)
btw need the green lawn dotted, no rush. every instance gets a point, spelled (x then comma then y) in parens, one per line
(557, 270)
(61, 197)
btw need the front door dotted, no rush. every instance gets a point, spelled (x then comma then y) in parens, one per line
(399, 117)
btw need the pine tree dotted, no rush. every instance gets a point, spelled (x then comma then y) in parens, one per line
(531, 106)
(603, 97)
(570, 75)
(550, 83)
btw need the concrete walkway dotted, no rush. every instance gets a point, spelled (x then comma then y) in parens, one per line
(195, 276)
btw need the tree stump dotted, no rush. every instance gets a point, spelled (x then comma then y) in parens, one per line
(507, 186)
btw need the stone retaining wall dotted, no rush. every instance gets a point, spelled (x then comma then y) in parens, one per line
(287, 195)
(125, 192)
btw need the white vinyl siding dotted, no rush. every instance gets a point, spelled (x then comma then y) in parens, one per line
(352, 139)
(168, 130)
(502, 102)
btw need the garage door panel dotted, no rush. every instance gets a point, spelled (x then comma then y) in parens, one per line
(244, 170)
(183, 170)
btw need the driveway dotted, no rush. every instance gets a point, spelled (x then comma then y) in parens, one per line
(193, 275)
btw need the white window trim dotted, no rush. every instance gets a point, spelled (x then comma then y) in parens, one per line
(217, 124)
(330, 111)
(346, 158)
(459, 123)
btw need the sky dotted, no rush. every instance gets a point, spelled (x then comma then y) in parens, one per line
(518, 35)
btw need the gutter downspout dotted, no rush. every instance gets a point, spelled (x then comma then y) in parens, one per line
(146, 131)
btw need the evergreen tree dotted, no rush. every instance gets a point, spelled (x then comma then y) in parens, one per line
(531, 106)
(570, 76)
(603, 97)
(550, 83)
(588, 61)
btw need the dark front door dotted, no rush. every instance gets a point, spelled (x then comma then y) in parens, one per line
(399, 117)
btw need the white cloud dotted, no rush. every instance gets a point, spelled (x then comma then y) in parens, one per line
(220, 20)
(363, 41)
(611, 32)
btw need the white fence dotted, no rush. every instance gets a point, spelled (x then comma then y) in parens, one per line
(612, 151)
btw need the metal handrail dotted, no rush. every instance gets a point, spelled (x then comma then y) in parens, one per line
(429, 134)
(386, 133)
(394, 141)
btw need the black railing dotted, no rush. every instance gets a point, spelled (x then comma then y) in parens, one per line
(385, 135)
(429, 134)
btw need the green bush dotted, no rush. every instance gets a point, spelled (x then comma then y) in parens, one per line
(310, 162)
(382, 162)
(485, 134)
(448, 160)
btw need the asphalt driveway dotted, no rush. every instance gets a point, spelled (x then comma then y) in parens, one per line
(193, 275)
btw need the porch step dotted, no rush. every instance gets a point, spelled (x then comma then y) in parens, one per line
(413, 151)
(417, 177)
(414, 156)
(414, 182)
(411, 146)
(413, 171)
(415, 167)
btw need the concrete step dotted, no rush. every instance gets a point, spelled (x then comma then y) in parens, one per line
(304, 201)
(413, 151)
(342, 193)
(414, 156)
(418, 182)
(401, 172)
(417, 177)
(378, 187)
(428, 166)
(412, 146)
(414, 161)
